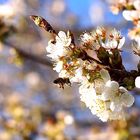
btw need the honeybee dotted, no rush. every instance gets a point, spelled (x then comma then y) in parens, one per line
(62, 81)
(41, 22)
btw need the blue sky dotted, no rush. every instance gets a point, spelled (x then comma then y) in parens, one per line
(81, 9)
(3, 1)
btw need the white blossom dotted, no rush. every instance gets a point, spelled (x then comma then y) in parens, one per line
(106, 99)
(134, 33)
(111, 44)
(78, 73)
(59, 66)
(116, 41)
(137, 82)
(118, 96)
(121, 43)
(131, 15)
(124, 100)
(59, 48)
(87, 40)
(86, 37)
(100, 31)
(110, 87)
(105, 75)
(63, 39)
(63, 73)
(78, 77)
(136, 46)
(137, 4)
(55, 50)
(100, 108)
(88, 95)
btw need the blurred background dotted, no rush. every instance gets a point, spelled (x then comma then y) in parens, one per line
(31, 106)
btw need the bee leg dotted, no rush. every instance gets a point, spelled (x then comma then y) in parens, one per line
(61, 86)
(69, 84)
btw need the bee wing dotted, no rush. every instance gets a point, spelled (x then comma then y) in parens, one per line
(41, 22)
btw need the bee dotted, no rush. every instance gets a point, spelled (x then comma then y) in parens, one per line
(41, 22)
(62, 81)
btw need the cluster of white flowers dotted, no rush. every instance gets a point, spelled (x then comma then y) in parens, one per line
(134, 16)
(100, 38)
(131, 12)
(104, 97)
(130, 8)
(134, 34)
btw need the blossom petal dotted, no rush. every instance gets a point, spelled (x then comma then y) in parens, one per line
(127, 99)
(104, 116)
(137, 4)
(62, 35)
(105, 75)
(127, 15)
(121, 43)
(113, 85)
(116, 105)
(59, 66)
(137, 82)
(123, 90)
(110, 90)
(88, 95)
(131, 14)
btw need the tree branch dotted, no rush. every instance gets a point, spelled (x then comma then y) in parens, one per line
(118, 74)
(28, 55)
